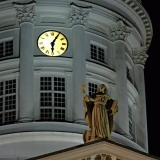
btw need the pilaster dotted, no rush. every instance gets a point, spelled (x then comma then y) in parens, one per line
(139, 59)
(69, 94)
(78, 18)
(26, 17)
(120, 32)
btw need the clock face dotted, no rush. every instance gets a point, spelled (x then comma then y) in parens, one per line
(52, 43)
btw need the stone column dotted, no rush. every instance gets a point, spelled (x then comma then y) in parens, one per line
(26, 17)
(68, 76)
(119, 34)
(139, 59)
(78, 17)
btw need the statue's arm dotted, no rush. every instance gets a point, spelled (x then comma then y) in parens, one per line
(86, 97)
(114, 107)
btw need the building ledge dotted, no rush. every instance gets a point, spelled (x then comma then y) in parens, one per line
(97, 148)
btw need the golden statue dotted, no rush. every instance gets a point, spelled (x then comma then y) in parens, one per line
(99, 109)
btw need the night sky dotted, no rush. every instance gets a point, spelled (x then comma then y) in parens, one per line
(152, 80)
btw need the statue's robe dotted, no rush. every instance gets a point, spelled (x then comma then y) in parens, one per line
(99, 116)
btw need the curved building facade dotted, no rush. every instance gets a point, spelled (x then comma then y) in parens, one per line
(41, 108)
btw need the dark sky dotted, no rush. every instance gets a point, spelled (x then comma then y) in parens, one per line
(152, 79)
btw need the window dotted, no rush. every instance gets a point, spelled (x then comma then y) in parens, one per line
(97, 53)
(7, 101)
(92, 88)
(6, 48)
(46, 114)
(52, 98)
(130, 121)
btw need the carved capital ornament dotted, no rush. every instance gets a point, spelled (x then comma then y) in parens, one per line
(78, 15)
(25, 11)
(120, 31)
(139, 55)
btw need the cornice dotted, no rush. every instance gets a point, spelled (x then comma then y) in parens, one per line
(101, 149)
(137, 7)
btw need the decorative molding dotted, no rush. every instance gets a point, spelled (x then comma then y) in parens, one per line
(94, 69)
(111, 86)
(137, 7)
(25, 11)
(78, 15)
(101, 156)
(37, 72)
(89, 76)
(16, 74)
(68, 73)
(8, 22)
(120, 31)
(139, 55)
(52, 19)
(10, 74)
(129, 52)
(98, 28)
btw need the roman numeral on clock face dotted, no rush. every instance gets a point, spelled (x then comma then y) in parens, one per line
(52, 33)
(62, 48)
(43, 48)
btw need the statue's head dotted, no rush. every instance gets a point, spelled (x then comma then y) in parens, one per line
(102, 88)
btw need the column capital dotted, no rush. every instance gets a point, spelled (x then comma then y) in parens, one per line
(120, 31)
(25, 11)
(139, 55)
(78, 15)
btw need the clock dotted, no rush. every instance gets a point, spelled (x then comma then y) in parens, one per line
(52, 43)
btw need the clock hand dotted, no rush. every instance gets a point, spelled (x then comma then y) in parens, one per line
(52, 46)
(53, 42)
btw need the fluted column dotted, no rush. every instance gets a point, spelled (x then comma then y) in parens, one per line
(26, 17)
(78, 17)
(119, 34)
(139, 59)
